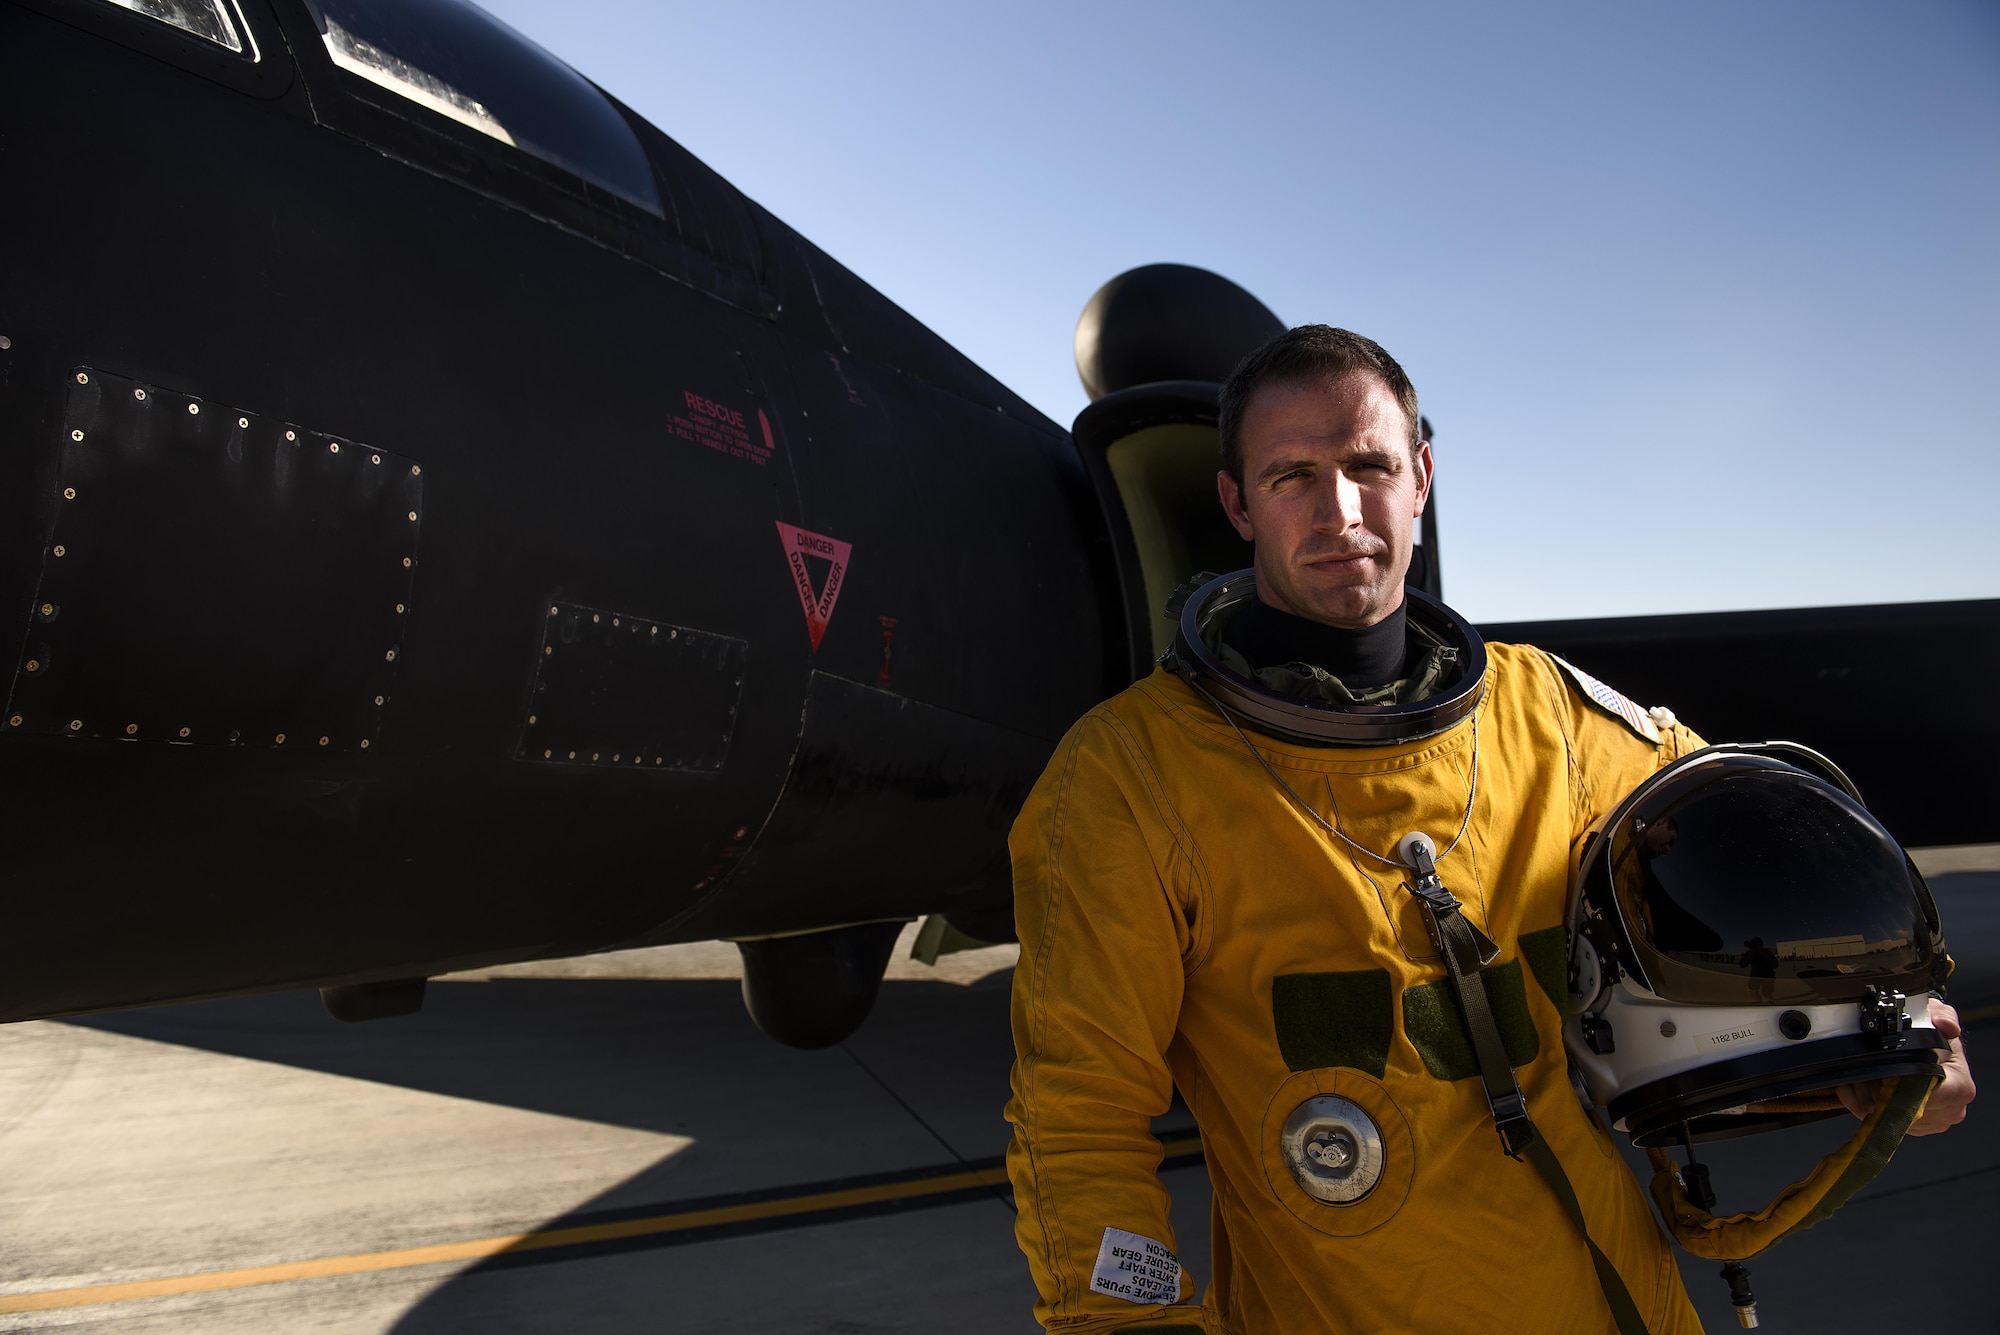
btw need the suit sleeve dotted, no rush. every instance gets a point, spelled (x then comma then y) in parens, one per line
(1100, 884)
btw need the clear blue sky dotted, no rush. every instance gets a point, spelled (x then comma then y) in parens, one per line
(1704, 299)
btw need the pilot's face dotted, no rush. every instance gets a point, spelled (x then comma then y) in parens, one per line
(1331, 493)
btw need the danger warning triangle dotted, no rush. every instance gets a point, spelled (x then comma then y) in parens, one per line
(800, 547)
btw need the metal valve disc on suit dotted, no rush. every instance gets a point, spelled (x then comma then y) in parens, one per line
(1334, 1150)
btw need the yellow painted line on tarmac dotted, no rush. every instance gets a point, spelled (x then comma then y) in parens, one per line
(479, 1249)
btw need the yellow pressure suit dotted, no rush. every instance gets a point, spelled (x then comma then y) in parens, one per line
(1183, 923)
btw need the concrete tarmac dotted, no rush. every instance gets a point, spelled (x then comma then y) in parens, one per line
(252, 1165)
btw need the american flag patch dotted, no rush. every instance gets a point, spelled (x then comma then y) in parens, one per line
(1611, 702)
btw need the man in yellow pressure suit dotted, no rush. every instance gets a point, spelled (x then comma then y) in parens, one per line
(1217, 894)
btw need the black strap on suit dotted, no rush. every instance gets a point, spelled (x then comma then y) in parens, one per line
(1467, 951)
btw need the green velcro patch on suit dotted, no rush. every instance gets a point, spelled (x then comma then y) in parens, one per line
(1334, 1019)
(1435, 1025)
(1547, 954)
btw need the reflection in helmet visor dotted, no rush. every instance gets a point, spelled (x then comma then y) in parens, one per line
(1749, 872)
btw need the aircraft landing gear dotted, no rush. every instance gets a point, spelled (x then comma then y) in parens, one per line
(355, 1002)
(814, 989)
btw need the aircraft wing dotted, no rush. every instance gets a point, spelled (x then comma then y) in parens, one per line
(1901, 695)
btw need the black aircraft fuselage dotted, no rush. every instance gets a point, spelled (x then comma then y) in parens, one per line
(620, 451)
(443, 523)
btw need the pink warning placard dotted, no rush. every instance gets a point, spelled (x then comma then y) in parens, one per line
(799, 544)
(722, 428)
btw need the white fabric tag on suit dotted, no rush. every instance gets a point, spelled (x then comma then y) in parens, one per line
(1136, 1268)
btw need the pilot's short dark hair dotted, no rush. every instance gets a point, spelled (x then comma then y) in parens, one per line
(1312, 352)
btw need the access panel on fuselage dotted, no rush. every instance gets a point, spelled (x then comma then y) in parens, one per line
(592, 433)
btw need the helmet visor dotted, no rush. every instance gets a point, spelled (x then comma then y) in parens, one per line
(1746, 880)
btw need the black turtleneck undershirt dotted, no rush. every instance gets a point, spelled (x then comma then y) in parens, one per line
(1371, 656)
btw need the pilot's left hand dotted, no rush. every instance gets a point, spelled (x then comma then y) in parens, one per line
(1947, 1102)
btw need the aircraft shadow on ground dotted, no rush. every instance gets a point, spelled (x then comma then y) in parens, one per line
(920, 1087)
(678, 1056)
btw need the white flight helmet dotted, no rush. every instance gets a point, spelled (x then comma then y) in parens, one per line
(1744, 936)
